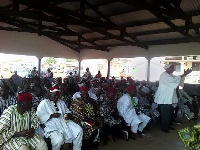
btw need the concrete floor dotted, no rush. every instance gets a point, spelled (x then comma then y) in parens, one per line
(158, 141)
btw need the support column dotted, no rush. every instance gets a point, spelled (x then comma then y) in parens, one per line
(79, 68)
(148, 69)
(108, 72)
(39, 67)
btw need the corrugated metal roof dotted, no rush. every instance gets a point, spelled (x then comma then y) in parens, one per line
(152, 37)
(196, 19)
(132, 16)
(190, 6)
(108, 42)
(131, 22)
(92, 35)
(150, 27)
(78, 28)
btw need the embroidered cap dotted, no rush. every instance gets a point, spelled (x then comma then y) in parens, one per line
(54, 89)
(84, 88)
(130, 88)
(167, 66)
(24, 97)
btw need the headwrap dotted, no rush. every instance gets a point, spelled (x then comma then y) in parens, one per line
(54, 89)
(84, 88)
(130, 88)
(111, 90)
(145, 89)
(167, 66)
(81, 84)
(24, 97)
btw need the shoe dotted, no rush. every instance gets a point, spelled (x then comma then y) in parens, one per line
(171, 128)
(165, 130)
(125, 133)
(177, 122)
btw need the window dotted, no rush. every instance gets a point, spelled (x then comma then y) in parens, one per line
(196, 66)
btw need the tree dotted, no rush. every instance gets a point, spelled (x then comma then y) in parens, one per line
(71, 60)
(50, 60)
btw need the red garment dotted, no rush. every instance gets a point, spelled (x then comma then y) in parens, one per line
(24, 97)
(84, 88)
(98, 76)
(131, 88)
(112, 90)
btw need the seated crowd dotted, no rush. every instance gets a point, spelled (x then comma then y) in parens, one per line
(42, 115)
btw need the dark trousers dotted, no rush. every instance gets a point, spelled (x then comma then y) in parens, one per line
(174, 114)
(88, 144)
(166, 114)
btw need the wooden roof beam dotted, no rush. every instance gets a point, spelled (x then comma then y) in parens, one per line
(58, 11)
(161, 17)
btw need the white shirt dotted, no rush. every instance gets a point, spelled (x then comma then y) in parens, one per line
(166, 93)
(68, 129)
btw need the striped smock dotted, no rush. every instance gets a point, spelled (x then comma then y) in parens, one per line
(10, 122)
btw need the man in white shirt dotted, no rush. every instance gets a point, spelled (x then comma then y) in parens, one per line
(166, 95)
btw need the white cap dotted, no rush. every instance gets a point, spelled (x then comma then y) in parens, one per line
(54, 89)
(167, 66)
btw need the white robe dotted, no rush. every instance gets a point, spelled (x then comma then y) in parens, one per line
(69, 130)
(127, 111)
(166, 93)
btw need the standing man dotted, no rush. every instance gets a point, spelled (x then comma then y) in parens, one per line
(87, 77)
(166, 95)
(34, 72)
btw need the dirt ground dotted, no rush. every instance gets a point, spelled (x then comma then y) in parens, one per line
(158, 141)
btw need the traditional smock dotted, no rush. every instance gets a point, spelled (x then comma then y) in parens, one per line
(10, 122)
(85, 114)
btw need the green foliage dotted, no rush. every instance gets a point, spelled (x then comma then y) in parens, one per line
(71, 60)
(50, 60)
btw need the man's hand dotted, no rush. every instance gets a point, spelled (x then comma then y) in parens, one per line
(188, 71)
(26, 133)
(55, 115)
(67, 116)
(30, 133)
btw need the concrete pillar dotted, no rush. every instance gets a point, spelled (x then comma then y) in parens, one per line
(108, 72)
(39, 67)
(79, 68)
(148, 69)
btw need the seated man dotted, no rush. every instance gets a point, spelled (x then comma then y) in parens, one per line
(91, 94)
(18, 124)
(145, 105)
(126, 108)
(84, 111)
(5, 99)
(112, 121)
(54, 114)
(191, 103)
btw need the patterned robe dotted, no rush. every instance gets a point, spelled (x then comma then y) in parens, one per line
(10, 122)
(4, 104)
(107, 112)
(36, 101)
(82, 112)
